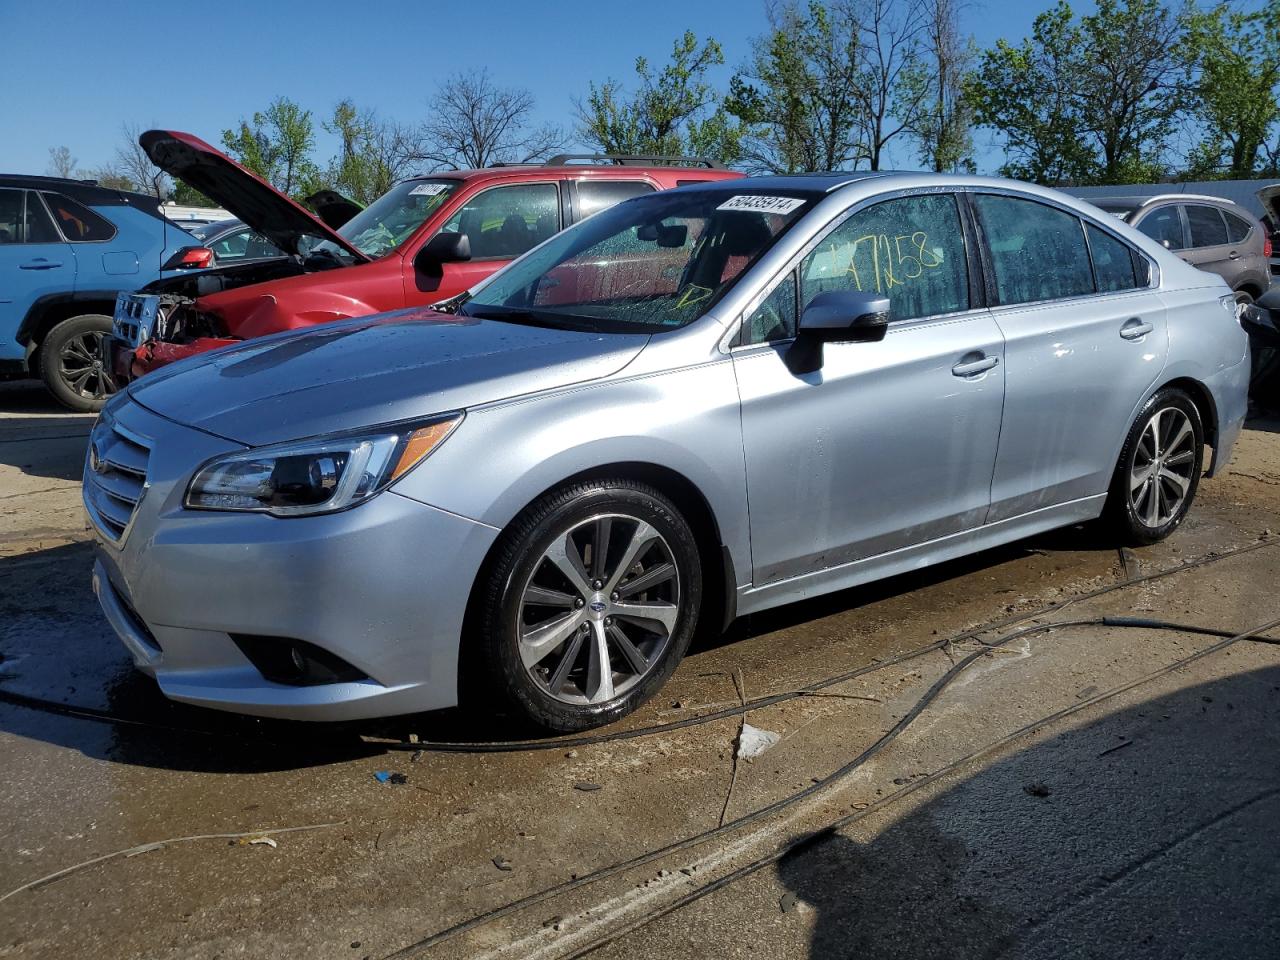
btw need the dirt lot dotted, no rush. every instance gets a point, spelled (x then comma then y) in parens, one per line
(943, 785)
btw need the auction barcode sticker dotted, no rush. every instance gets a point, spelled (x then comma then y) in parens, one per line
(428, 189)
(761, 204)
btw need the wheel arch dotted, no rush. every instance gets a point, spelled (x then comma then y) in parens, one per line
(1205, 406)
(719, 575)
(49, 311)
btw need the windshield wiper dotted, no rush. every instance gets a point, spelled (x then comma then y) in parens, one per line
(514, 315)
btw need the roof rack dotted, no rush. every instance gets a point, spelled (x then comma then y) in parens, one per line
(1147, 201)
(620, 159)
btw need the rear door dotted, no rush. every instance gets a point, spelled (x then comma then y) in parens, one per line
(1085, 338)
(1211, 247)
(34, 262)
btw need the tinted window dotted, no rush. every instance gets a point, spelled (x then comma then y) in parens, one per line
(504, 222)
(1112, 261)
(1206, 225)
(1037, 251)
(1237, 227)
(11, 221)
(775, 318)
(1163, 225)
(595, 195)
(23, 219)
(910, 249)
(77, 222)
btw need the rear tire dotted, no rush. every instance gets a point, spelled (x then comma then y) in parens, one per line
(1158, 474)
(71, 363)
(572, 635)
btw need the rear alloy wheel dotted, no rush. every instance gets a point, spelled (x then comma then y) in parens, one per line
(592, 604)
(1159, 470)
(71, 362)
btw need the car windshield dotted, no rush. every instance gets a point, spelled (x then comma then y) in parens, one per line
(650, 264)
(390, 220)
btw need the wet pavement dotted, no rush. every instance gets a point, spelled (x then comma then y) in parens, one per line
(1079, 791)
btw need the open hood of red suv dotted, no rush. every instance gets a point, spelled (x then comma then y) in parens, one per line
(250, 198)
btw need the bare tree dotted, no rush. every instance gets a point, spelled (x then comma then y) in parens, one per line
(475, 123)
(944, 120)
(132, 164)
(61, 162)
(374, 153)
(889, 90)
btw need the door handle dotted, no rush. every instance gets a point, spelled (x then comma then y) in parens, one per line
(971, 368)
(40, 264)
(1233, 255)
(1135, 329)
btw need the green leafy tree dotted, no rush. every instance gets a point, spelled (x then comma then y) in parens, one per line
(796, 101)
(1027, 95)
(673, 111)
(188, 196)
(373, 154)
(1131, 86)
(1234, 61)
(277, 146)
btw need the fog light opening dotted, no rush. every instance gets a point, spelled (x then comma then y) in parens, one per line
(295, 662)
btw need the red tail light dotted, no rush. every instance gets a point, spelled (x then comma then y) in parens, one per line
(1266, 247)
(190, 258)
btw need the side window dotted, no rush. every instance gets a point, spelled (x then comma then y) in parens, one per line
(1163, 225)
(1207, 226)
(775, 318)
(504, 222)
(1237, 227)
(911, 250)
(11, 222)
(1112, 261)
(1037, 251)
(77, 222)
(596, 195)
(231, 247)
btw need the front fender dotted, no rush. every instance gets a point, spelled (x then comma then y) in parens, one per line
(506, 455)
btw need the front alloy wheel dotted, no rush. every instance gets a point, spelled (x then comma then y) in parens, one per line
(588, 605)
(599, 609)
(72, 364)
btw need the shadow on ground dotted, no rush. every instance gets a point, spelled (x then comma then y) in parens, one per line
(1164, 847)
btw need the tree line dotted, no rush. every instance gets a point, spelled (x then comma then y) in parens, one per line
(1134, 92)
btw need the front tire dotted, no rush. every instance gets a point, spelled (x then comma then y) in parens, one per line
(1158, 474)
(71, 362)
(589, 604)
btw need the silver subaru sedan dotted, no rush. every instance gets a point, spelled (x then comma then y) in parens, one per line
(693, 406)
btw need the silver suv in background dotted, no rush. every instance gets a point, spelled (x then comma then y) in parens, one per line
(1208, 232)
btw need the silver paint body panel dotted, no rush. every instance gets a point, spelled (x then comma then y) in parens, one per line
(882, 462)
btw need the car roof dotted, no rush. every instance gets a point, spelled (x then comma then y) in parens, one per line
(88, 192)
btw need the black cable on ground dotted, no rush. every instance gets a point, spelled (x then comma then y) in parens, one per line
(566, 743)
(934, 691)
(825, 833)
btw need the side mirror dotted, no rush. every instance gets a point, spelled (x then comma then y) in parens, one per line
(837, 316)
(441, 249)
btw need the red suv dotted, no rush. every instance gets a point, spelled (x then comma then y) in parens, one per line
(427, 239)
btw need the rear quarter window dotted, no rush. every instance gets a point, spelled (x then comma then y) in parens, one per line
(77, 222)
(1237, 227)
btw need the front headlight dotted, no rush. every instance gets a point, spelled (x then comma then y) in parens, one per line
(316, 476)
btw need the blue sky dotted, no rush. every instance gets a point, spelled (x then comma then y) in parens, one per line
(86, 68)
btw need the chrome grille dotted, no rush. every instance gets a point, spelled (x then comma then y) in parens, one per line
(115, 477)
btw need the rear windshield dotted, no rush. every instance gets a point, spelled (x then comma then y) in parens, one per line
(649, 264)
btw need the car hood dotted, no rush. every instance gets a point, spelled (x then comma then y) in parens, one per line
(373, 370)
(248, 197)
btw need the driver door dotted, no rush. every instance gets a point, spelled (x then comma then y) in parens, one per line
(889, 444)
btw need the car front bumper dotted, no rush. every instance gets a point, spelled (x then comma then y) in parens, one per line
(383, 586)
